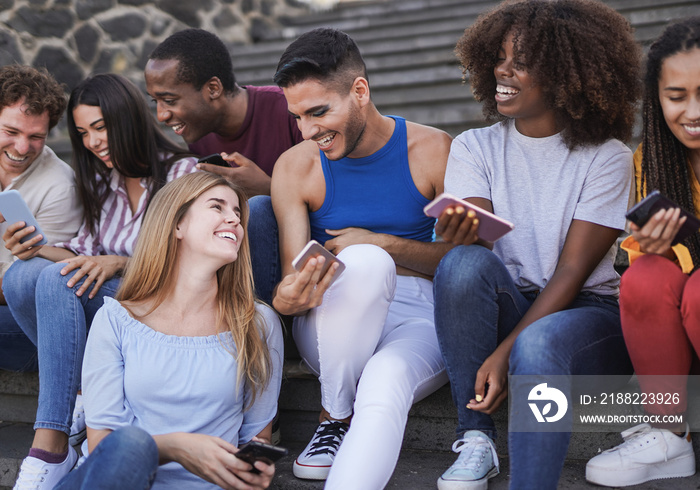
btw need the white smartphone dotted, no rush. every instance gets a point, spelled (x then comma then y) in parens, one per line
(14, 209)
(491, 227)
(314, 249)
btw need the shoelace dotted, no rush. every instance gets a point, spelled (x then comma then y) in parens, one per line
(328, 438)
(632, 438)
(472, 459)
(29, 477)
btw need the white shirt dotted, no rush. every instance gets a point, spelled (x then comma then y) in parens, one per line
(49, 189)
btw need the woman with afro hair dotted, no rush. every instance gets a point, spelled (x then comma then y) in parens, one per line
(561, 78)
(660, 292)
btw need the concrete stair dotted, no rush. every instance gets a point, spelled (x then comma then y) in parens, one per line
(408, 47)
(424, 456)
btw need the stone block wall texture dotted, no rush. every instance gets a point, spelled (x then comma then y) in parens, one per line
(77, 38)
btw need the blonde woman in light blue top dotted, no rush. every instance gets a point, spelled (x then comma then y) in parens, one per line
(183, 354)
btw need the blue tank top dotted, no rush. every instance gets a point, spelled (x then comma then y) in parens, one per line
(375, 192)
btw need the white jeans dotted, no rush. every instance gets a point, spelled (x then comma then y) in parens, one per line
(372, 343)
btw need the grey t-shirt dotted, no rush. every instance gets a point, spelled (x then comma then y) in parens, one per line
(541, 186)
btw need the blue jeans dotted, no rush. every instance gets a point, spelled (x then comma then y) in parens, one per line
(264, 247)
(56, 320)
(126, 458)
(17, 352)
(476, 306)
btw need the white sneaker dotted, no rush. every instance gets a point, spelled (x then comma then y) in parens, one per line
(316, 459)
(647, 454)
(35, 474)
(78, 430)
(476, 463)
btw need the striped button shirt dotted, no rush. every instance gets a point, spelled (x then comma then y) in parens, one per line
(119, 228)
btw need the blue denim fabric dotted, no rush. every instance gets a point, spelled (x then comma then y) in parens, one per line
(17, 352)
(476, 306)
(264, 247)
(126, 458)
(50, 313)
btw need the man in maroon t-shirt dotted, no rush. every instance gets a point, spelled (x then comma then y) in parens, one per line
(190, 77)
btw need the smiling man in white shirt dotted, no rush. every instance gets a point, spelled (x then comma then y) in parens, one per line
(31, 104)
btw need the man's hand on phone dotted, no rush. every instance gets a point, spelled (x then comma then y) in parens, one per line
(302, 290)
(16, 232)
(244, 172)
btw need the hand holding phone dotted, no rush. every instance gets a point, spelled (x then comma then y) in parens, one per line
(14, 209)
(214, 159)
(491, 227)
(315, 249)
(641, 212)
(259, 451)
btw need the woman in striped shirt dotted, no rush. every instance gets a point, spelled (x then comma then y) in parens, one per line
(121, 159)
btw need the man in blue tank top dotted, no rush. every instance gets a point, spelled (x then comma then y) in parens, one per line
(358, 185)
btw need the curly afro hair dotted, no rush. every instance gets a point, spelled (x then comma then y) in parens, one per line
(580, 52)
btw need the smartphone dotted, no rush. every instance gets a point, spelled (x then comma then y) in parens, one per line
(491, 227)
(259, 451)
(214, 159)
(14, 209)
(314, 249)
(640, 213)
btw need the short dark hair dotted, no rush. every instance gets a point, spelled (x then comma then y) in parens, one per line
(582, 53)
(39, 89)
(201, 56)
(325, 54)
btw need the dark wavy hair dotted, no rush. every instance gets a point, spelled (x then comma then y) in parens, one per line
(664, 158)
(580, 52)
(136, 143)
(201, 56)
(39, 89)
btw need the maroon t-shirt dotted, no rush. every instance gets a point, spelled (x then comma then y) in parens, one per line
(268, 130)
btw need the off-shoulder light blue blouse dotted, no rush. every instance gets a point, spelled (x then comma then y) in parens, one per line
(134, 375)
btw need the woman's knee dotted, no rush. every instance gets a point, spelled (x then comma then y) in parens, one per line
(133, 443)
(20, 280)
(651, 278)
(534, 350)
(464, 268)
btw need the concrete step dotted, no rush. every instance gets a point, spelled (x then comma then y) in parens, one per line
(416, 470)
(387, 20)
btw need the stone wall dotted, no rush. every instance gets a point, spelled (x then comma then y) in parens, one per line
(76, 38)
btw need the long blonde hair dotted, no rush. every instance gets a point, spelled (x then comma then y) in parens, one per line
(150, 274)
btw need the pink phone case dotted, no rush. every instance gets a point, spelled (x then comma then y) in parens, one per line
(314, 249)
(491, 227)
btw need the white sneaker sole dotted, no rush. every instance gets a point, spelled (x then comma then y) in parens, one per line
(481, 484)
(676, 468)
(306, 472)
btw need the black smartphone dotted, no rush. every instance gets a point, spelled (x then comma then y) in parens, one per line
(259, 451)
(214, 159)
(640, 213)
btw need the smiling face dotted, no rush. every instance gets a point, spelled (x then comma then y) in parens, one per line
(22, 139)
(181, 106)
(211, 227)
(679, 95)
(90, 125)
(332, 120)
(518, 95)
